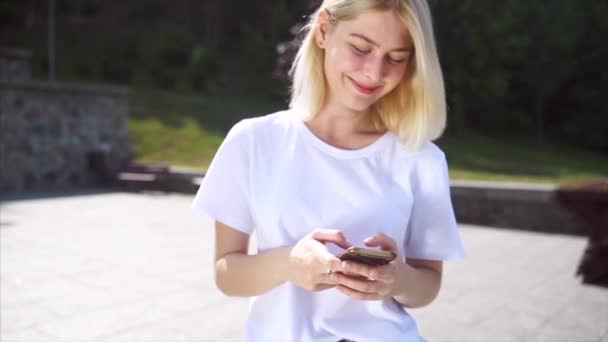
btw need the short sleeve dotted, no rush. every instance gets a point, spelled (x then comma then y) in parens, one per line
(432, 231)
(224, 191)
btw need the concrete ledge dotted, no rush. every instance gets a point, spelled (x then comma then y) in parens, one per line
(505, 191)
(185, 180)
(136, 177)
(179, 180)
(525, 206)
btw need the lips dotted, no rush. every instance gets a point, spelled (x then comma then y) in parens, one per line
(363, 88)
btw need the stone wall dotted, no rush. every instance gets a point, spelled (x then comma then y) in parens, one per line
(57, 136)
(14, 64)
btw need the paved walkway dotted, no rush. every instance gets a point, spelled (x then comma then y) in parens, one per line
(137, 267)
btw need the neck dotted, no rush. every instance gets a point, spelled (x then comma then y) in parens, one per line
(337, 121)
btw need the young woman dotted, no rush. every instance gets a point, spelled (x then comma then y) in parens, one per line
(351, 163)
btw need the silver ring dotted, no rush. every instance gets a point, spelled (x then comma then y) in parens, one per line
(329, 272)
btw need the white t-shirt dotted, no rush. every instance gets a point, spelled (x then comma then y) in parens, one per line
(274, 177)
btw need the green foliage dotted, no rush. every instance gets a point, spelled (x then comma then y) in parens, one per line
(103, 58)
(201, 67)
(116, 55)
(170, 59)
(162, 57)
(512, 68)
(581, 102)
(12, 12)
(259, 39)
(85, 8)
(533, 68)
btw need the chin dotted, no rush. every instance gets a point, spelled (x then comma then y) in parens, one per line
(358, 106)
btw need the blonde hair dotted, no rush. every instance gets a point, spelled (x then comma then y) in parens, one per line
(415, 110)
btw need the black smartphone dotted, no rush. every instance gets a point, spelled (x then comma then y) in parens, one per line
(368, 256)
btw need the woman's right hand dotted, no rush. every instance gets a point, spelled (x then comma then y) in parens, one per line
(310, 260)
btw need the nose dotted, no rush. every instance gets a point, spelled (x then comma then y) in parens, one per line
(374, 68)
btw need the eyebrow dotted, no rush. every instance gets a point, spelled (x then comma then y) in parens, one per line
(369, 40)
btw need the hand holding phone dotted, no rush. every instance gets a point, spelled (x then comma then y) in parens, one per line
(373, 257)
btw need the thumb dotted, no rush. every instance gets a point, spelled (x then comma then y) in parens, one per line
(381, 240)
(331, 235)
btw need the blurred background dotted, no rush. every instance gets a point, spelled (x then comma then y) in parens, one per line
(525, 81)
(110, 111)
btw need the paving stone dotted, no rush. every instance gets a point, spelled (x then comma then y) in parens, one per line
(146, 333)
(465, 310)
(511, 323)
(604, 338)
(29, 335)
(586, 317)
(90, 299)
(138, 267)
(23, 316)
(94, 324)
(216, 322)
(24, 292)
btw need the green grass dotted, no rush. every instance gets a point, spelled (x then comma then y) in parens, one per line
(184, 144)
(185, 128)
(217, 112)
(483, 158)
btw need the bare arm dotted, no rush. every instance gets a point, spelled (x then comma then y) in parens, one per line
(305, 263)
(239, 274)
(418, 282)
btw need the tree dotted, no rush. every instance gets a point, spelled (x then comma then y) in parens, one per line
(555, 28)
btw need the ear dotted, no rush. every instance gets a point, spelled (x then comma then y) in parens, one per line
(322, 28)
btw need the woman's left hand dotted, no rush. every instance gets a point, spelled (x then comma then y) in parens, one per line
(365, 282)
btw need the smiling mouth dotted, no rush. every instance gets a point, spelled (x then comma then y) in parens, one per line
(363, 89)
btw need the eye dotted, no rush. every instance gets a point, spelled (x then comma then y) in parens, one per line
(402, 57)
(396, 61)
(358, 50)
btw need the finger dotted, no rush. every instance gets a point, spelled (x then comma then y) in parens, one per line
(358, 284)
(334, 264)
(331, 235)
(358, 295)
(325, 278)
(385, 274)
(357, 268)
(381, 240)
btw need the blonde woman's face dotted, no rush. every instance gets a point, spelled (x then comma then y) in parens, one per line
(365, 58)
